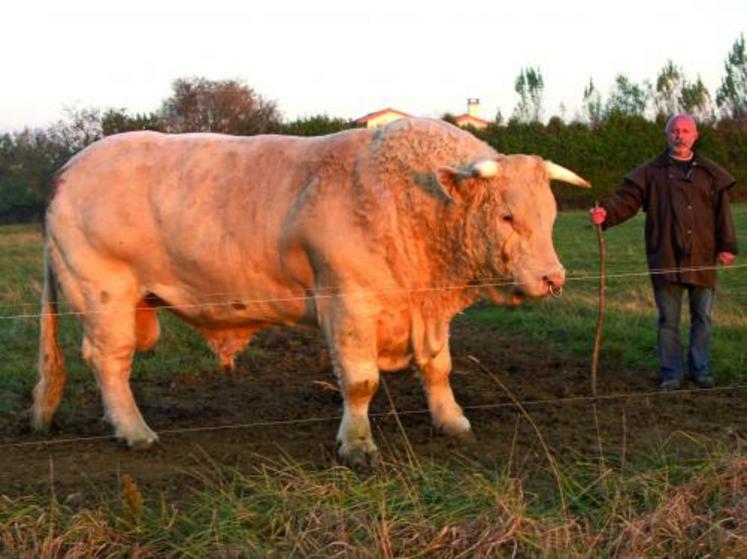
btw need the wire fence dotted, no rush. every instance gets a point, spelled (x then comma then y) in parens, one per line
(423, 411)
(224, 298)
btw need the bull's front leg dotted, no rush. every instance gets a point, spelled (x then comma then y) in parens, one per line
(352, 343)
(359, 382)
(446, 414)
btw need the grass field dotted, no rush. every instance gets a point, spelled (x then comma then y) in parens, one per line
(659, 505)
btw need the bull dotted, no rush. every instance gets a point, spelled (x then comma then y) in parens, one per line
(378, 237)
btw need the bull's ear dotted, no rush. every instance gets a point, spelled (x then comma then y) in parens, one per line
(450, 180)
(460, 184)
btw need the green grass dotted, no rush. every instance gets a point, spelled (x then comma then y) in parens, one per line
(567, 325)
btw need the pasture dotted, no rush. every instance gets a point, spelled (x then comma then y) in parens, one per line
(246, 464)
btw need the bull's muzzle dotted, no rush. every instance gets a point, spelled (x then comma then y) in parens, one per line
(554, 282)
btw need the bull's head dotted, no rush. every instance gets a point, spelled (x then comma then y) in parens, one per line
(509, 222)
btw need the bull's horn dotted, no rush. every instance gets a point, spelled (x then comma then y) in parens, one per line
(485, 169)
(558, 173)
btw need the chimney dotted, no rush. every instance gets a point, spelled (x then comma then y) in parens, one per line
(473, 107)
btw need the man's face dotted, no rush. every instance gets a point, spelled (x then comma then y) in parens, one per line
(681, 136)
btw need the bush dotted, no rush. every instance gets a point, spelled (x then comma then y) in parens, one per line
(605, 153)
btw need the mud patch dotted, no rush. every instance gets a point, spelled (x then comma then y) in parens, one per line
(281, 403)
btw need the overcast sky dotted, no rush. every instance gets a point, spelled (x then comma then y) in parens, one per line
(344, 57)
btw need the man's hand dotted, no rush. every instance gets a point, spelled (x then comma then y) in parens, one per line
(726, 258)
(597, 215)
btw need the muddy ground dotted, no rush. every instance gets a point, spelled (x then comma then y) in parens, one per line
(241, 418)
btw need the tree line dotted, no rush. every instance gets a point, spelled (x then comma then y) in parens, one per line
(602, 141)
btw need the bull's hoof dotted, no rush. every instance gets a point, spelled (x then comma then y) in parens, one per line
(41, 425)
(143, 444)
(362, 458)
(465, 438)
(39, 418)
(228, 365)
(459, 428)
(140, 441)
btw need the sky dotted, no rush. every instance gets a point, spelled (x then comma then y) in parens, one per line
(346, 58)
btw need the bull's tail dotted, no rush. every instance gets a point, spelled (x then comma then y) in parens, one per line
(51, 365)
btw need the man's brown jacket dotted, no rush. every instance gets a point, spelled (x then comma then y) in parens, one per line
(688, 217)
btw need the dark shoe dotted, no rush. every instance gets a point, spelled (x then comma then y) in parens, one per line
(704, 381)
(670, 384)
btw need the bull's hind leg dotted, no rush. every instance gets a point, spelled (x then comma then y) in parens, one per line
(109, 344)
(447, 415)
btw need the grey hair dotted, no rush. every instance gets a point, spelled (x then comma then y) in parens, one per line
(675, 117)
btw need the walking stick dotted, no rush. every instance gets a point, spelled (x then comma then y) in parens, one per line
(600, 315)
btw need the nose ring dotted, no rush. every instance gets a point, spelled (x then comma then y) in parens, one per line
(555, 291)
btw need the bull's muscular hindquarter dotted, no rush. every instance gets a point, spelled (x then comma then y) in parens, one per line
(380, 237)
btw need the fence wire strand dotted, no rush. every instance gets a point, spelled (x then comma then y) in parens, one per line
(378, 415)
(331, 292)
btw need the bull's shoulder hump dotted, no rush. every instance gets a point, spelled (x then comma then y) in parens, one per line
(420, 125)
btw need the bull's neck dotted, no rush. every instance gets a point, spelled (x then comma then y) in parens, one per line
(444, 252)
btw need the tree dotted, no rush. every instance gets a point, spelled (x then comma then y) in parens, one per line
(675, 94)
(115, 121)
(82, 128)
(30, 158)
(627, 97)
(592, 105)
(530, 86)
(669, 85)
(696, 101)
(498, 120)
(227, 106)
(28, 161)
(317, 125)
(731, 96)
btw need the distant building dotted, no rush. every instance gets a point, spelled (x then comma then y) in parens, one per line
(380, 118)
(385, 116)
(470, 118)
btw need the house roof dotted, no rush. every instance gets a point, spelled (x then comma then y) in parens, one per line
(371, 116)
(469, 119)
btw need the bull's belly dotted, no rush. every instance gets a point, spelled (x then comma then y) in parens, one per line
(233, 306)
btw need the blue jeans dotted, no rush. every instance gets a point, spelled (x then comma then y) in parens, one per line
(669, 302)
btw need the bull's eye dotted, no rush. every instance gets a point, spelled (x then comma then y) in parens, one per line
(508, 218)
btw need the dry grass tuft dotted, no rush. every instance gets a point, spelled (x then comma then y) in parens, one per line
(704, 517)
(132, 501)
(284, 509)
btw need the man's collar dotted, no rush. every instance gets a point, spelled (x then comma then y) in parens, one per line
(665, 159)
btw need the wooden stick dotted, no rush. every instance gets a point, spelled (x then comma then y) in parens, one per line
(600, 315)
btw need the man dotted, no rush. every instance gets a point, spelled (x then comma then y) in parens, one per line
(689, 228)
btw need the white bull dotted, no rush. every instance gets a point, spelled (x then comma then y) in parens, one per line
(378, 237)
